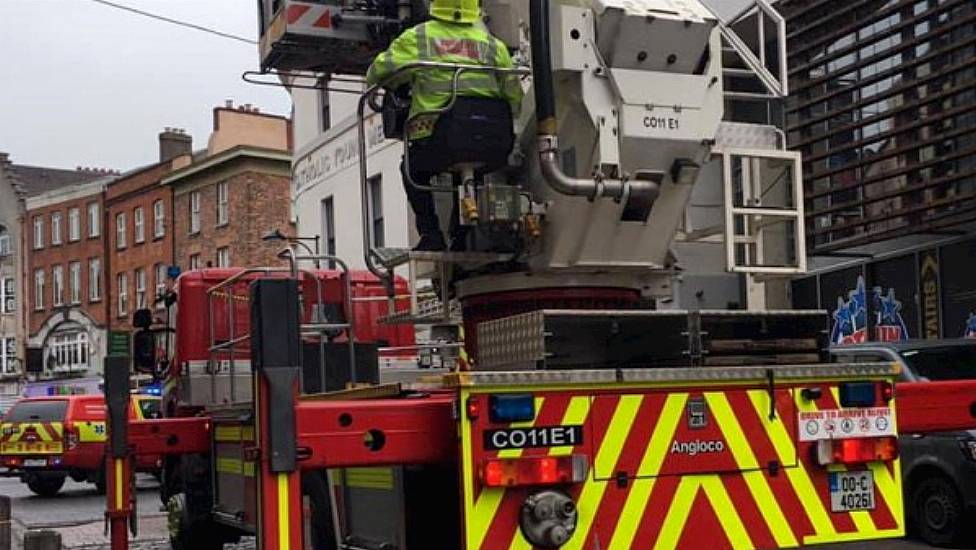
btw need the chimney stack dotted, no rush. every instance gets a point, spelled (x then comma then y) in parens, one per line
(174, 142)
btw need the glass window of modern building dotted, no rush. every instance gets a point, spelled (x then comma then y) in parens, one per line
(883, 108)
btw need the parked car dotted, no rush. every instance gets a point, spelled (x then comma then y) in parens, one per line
(43, 440)
(939, 469)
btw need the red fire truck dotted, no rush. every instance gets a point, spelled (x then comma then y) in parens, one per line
(584, 416)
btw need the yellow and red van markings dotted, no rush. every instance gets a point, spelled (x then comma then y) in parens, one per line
(31, 438)
(750, 507)
(91, 431)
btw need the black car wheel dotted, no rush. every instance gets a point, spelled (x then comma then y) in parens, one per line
(45, 485)
(187, 532)
(936, 511)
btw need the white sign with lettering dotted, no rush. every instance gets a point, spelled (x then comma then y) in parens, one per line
(337, 154)
(846, 423)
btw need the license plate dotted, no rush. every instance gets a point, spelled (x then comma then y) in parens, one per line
(524, 438)
(35, 462)
(850, 491)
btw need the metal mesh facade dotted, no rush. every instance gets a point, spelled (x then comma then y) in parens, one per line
(883, 94)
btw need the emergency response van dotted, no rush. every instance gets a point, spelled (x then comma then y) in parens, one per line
(43, 440)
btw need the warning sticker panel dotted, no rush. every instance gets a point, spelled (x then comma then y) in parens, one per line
(845, 423)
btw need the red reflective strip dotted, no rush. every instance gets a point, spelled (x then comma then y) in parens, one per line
(748, 510)
(780, 485)
(653, 519)
(703, 529)
(295, 12)
(614, 498)
(324, 22)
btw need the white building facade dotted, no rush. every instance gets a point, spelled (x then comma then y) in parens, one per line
(326, 190)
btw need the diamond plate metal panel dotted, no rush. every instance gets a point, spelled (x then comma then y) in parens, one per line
(512, 342)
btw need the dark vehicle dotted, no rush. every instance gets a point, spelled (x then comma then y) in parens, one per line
(939, 469)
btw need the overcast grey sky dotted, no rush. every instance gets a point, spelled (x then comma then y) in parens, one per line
(86, 84)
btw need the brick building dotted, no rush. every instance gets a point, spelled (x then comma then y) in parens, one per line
(139, 242)
(64, 282)
(224, 202)
(18, 182)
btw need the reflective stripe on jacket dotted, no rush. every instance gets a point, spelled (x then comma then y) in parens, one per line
(444, 42)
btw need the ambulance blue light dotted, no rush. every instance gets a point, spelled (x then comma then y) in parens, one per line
(858, 394)
(512, 408)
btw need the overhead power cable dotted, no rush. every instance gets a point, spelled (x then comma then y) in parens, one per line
(176, 22)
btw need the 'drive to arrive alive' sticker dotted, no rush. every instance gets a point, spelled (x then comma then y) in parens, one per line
(846, 423)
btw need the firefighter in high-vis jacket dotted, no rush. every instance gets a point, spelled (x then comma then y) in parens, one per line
(476, 129)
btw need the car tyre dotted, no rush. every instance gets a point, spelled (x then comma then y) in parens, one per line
(45, 485)
(937, 512)
(186, 532)
(98, 478)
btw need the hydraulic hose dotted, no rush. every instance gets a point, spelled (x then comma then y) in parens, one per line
(545, 96)
(548, 143)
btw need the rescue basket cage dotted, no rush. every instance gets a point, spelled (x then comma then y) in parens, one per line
(370, 97)
(229, 302)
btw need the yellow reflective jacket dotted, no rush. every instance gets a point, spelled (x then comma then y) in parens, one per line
(431, 89)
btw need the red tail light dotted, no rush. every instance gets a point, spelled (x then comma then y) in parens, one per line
(887, 392)
(537, 470)
(857, 451)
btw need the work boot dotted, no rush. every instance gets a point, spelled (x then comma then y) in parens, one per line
(433, 242)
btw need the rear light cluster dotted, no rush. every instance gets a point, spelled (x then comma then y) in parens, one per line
(70, 438)
(856, 451)
(534, 471)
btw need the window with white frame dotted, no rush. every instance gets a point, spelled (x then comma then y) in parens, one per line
(5, 247)
(57, 285)
(160, 271)
(74, 282)
(140, 288)
(139, 223)
(68, 350)
(8, 300)
(223, 257)
(74, 225)
(38, 232)
(159, 219)
(194, 261)
(195, 212)
(56, 228)
(223, 212)
(8, 353)
(122, 281)
(94, 220)
(94, 280)
(120, 230)
(39, 289)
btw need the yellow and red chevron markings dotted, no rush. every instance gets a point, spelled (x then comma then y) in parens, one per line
(25, 438)
(645, 491)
